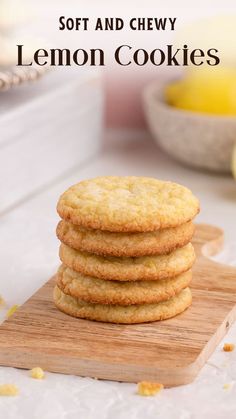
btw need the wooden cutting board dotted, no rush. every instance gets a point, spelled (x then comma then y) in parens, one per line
(171, 352)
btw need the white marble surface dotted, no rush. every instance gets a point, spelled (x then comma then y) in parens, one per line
(29, 257)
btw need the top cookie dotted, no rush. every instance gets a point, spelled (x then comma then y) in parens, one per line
(133, 204)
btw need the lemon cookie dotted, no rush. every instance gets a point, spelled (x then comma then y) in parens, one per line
(127, 268)
(94, 290)
(123, 314)
(125, 244)
(133, 204)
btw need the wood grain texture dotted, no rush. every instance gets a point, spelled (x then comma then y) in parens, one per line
(172, 351)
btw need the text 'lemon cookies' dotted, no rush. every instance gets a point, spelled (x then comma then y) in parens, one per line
(127, 204)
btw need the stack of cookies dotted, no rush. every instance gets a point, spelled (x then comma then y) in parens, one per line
(125, 249)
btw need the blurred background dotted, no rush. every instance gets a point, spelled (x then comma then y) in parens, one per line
(202, 25)
(201, 91)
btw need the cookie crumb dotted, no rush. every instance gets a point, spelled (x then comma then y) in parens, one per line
(149, 389)
(37, 373)
(12, 310)
(228, 347)
(228, 386)
(2, 302)
(8, 390)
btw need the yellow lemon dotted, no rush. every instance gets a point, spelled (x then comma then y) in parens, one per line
(208, 90)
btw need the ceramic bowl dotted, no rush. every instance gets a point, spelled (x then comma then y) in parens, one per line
(196, 139)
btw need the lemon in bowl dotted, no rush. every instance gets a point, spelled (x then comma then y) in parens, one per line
(210, 90)
(194, 118)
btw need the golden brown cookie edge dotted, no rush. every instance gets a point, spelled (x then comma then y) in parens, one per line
(66, 233)
(115, 314)
(109, 272)
(135, 294)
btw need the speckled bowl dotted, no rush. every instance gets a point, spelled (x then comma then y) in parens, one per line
(198, 140)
